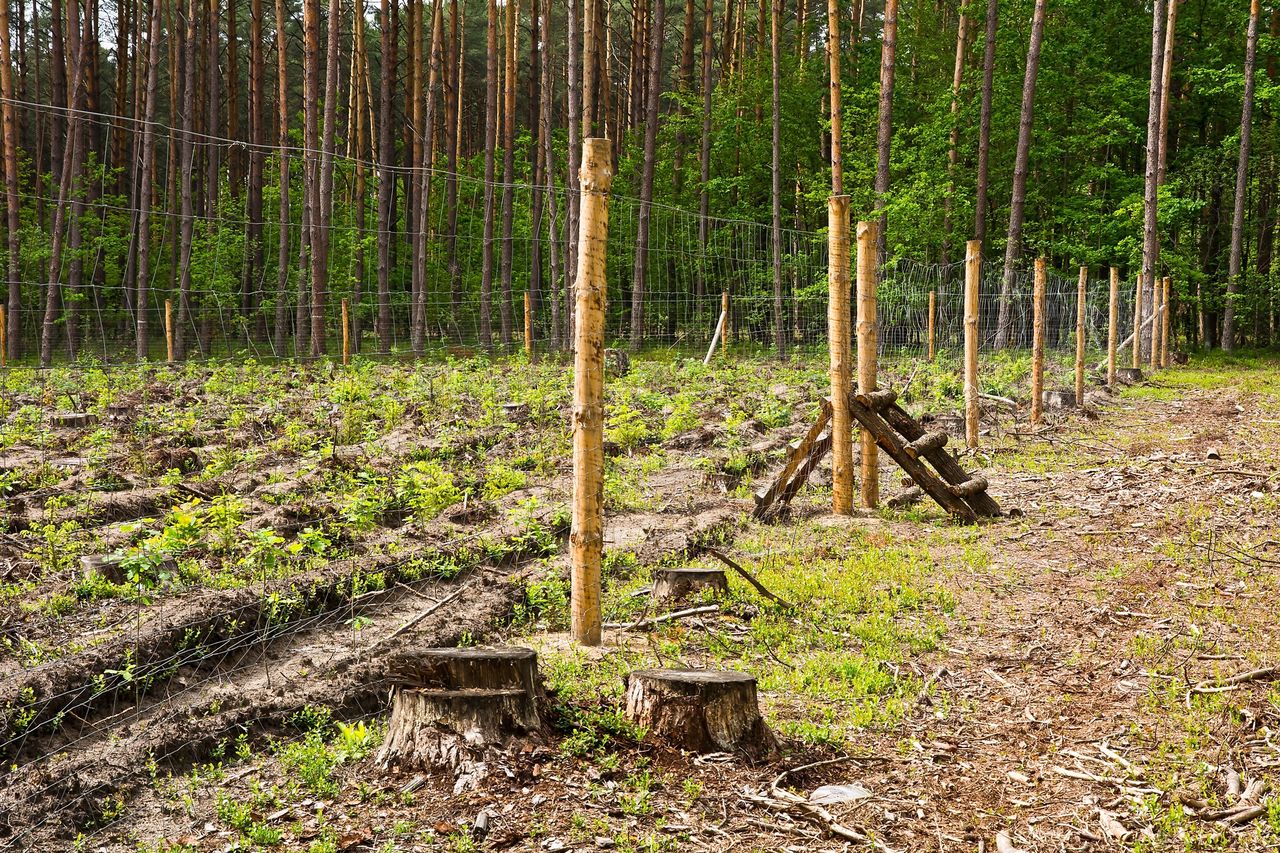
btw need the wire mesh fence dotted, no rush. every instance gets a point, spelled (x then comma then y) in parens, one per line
(238, 284)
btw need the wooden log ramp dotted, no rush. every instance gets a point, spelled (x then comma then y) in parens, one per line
(921, 453)
(461, 711)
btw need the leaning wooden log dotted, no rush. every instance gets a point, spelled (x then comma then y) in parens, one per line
(917, 470)
(907, 497)
(764, 500)
(700, 710)
(682, 584)
(878, 400)
(466, 708)
(948, 468)
(968, 489)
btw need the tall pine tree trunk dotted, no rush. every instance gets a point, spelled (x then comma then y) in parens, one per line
(704, 158)
(142, 336)
(775, 46)
(508, 167)
(1151, 195)
(12, 203)
(884, 128)
(187, 215)
(984, 124)
(1017, 206)
(386, 174)
(453, 109)
(490, 141)
(652, 102)
(1242, 177)
(953, 146)
(282, 141)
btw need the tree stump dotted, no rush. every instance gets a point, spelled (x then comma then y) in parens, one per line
(700, 710)
(680, 584)
(72, 420)
(1059, 399)
(459, 709)
(1128, 375)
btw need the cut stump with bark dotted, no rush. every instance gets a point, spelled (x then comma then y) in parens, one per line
(1129, 375)
(73, 420)
(701, 711)
(682, 584)
(1059, 399)
(460, 709)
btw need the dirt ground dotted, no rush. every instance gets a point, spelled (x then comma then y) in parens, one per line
(1091, 672)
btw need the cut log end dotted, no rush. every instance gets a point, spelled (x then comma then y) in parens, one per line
(1059, 399)
(683, 584)
(1129, 375)
(700, 710)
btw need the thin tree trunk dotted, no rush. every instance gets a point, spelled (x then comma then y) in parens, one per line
(1170, 39)
(685, 84)
(704, 159)
(549, 170)
(837, 113)
(453, 108)
(12, 202)
(884, 129)
(1151, 195)
(255, 259)
(953, 147)
(1242, 177)
(142, 337)
(282, 139)
(418, 334)
(490, 141)
(386, 174)
(984, 124)
(187, 215)
(573, 98)
(775, 47)
(652, 102)
(360, 90)
(508, 168)
(1013, 248)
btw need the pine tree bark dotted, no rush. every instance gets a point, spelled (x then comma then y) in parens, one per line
(386, 174)
(884, 129)
(953, 146)
(1017, 206)
(640, 270)
(573, 98)
(1145, 342)
(141, 334)
(187, 215)
(255, 260)
(1235, 261)
(490, 141)
(324, 213)
(549, 171)
(512, 12)
(12, 202)
(775, 63)
(704, 159)
(984, 123)
(836, 111)
(453, 105)
(1170, 39)
(282, 141)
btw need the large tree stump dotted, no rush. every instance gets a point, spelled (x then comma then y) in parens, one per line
(700, 710)
(1129, 375)
(1059, 399)
(681, 584)
(460, 709)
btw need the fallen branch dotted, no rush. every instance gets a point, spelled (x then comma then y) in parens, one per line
(666, 617)
(1236, 680)
(760, 588)
(992, 398)
(424, 614)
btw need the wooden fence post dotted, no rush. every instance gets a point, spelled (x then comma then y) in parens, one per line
(722, 327)
(1157, 307)
(168, 329)
(868, 239)
(346, 335)
(586, 537)
(1137, 325)
(1167, 322)
(4, 337)
(528, 326)
(933, 311)
(839, 342)
(1113, 323)
(972, 281)
(1081, 293)
(1037, 344)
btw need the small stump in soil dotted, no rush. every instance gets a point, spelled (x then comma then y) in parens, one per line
(681, 584)
(72, 420)
(1059, 399)
(700, 710)
(1129, 375)
(461, 709)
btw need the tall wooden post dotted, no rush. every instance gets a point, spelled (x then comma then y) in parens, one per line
(1113, 326)
(933, 312)
(346, 334)
(868, 240)
(1167, 322)
(168, 329)
(1037, 344)
(1081, 293)
(586, 537)
(528, 326)
(1137, 325)
(839, 339)
(972, 281)
(4, 337)
(1157, 309)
